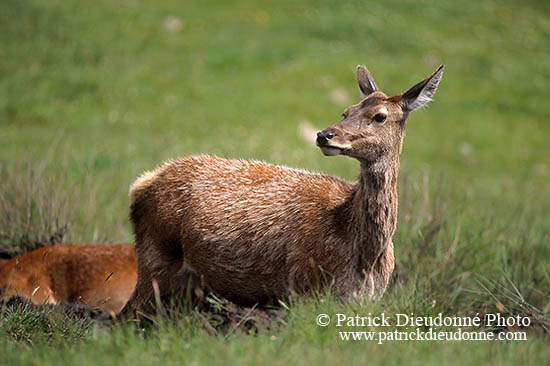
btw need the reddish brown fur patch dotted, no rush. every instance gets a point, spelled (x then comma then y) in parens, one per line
(103, 276)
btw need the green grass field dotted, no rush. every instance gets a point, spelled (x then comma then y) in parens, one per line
(94, 93)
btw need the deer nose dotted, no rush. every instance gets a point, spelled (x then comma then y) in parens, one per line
(323, 137)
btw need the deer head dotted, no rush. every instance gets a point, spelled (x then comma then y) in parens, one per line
(374, 128)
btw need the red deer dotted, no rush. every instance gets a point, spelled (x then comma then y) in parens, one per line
(99, 276)
(252, 232)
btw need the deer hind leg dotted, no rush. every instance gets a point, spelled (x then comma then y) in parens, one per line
(163, 275)
(158, 266)
(174, 285)
(188, 288)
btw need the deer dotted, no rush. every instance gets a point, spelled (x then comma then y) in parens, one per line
(96, 276)
(255, 233)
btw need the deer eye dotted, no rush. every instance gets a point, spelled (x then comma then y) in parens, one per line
(380, 117)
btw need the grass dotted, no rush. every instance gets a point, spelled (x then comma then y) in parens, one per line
(35, 212)
(93, 94)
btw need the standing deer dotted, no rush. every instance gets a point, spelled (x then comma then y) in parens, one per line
(251, 232)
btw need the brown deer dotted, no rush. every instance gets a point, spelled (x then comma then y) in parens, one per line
(99, 276)
(250, 231)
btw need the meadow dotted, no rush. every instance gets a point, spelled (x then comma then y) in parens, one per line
(92, 94)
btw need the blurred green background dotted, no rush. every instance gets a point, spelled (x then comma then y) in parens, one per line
(94, 93)
(105, 90)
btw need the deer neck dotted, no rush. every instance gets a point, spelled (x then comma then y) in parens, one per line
(374, 210)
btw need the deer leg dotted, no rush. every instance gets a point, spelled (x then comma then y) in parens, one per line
(382, 271)
(157, 267)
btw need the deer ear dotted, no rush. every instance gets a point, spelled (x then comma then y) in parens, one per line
(366, 83)
(422, 93)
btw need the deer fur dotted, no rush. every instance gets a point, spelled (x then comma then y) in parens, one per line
(99, 276)
(253, 232)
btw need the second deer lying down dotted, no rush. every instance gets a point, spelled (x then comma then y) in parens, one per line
(99, 276)
(251, 231)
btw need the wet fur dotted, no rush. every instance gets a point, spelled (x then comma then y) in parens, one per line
(254, 232)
